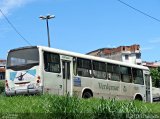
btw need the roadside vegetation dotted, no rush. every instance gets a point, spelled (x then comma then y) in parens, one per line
(52, 106)
(2, 86)
(155, 74)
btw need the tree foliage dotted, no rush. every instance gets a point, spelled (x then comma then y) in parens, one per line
(155, 74)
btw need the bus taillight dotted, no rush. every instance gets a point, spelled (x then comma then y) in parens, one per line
(38, 80)
(7, 84)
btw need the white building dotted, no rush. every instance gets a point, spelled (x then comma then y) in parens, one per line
(130, 54)
(2, 69)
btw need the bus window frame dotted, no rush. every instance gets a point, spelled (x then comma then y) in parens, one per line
(99, 71)
(112, 72)
(48, 63)
(89, 69)
(142, 76)
(128, 73)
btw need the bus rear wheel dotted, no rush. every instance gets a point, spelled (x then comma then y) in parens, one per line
(138, 98)
(87, 94)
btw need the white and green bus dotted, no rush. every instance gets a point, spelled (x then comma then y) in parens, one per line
(39, 69)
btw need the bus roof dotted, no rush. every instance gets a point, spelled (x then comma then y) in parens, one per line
(69, 53)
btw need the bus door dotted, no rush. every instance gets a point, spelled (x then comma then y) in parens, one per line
(66, 74)
(148, 83)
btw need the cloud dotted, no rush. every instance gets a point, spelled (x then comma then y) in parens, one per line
(8, 5)
(156, 40)
(111, 46)
(146, 48)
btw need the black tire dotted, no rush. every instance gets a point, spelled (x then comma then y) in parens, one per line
(138, 98)
(87, 94)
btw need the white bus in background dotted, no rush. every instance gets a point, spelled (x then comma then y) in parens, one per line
(156, 94)
(156, 90)
(38, 69)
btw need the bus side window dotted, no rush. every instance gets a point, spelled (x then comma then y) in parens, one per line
(126, 74)
(113, 72)
(137, 76)
(52, 62)
(84, 67)
(99, 70)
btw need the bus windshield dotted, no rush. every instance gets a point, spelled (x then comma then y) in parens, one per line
(22, 59)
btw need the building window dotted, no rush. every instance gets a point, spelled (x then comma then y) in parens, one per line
(123, 48)
(2, 75)
(126, 57)
(138, 56)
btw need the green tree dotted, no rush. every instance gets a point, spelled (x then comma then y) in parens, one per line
(155, 74)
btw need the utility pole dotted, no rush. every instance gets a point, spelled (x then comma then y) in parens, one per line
(46, 18)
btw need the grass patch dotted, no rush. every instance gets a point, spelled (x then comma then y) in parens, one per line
(52, 106)
(2, 86)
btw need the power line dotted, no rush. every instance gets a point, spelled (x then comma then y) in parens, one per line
(139, 11)
(14, 28)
